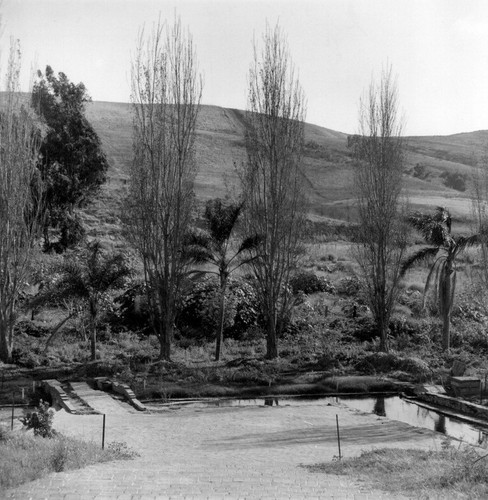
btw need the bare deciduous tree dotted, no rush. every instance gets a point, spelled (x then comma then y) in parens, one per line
(480, 210)
(166, 92)
(19, 147)
(379, 154)
(271, 178)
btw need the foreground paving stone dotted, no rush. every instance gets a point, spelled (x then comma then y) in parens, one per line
(247, 452)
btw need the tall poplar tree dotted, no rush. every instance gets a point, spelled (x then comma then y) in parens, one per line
(19, 148)
(166, 92)
(378, 175)
(271, 177)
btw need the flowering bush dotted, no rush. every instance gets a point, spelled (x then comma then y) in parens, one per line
(41, 420)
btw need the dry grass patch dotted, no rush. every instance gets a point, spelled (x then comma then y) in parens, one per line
(447, 473)
(24, 457)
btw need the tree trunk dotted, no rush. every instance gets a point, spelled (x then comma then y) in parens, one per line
(57, 328)
(47, 242)
(383, 331)
(164, 348)
(271, 342)
(165, 334)
(446, 298)
(379, 407)
(5, 343)
(93, 330)
(446, 330)
(220, 332)
(93, 342)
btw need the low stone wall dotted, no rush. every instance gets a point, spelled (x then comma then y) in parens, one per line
(459, 405)
(129, 395)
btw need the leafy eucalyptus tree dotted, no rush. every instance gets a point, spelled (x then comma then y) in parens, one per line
(72, 163)
(444, 249)
(272, 181)
(217, 247)
(166, 92)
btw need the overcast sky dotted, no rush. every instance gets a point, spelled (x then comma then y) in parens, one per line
(438, 50)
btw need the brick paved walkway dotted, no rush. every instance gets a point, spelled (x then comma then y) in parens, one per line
(247, 452)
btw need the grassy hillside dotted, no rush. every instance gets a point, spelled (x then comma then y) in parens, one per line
(327, 164)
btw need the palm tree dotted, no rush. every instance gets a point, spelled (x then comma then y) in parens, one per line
(214, 247)
(444, 249)
(87, 276)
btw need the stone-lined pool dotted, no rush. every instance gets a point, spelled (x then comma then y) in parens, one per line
(391, 406)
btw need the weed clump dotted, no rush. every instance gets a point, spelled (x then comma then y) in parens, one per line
(307, 282)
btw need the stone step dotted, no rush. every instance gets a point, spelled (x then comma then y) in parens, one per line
(98, 400)
(58, 395)
(80, 406)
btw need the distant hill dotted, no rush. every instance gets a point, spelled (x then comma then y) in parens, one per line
(432, 162)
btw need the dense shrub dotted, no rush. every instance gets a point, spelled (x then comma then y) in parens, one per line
(32, 329)
(382, 362)
(413, 299)
(306, 319)
(198, 312)
(363, 329)
(350, 286)
(26, 356)
(455, 180)
(133, 310)
(420, 171)
(470, 309)
(308, 283)
(470, 336)
(416, 330)
(337, 355)
(246, 309)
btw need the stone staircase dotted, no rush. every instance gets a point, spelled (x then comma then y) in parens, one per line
(82, 399)
(100, 401)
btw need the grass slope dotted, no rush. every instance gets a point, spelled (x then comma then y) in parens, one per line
(327, 165)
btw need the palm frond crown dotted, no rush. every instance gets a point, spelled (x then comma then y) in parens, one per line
(416, 258)
(435, 229)
(221, 219)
